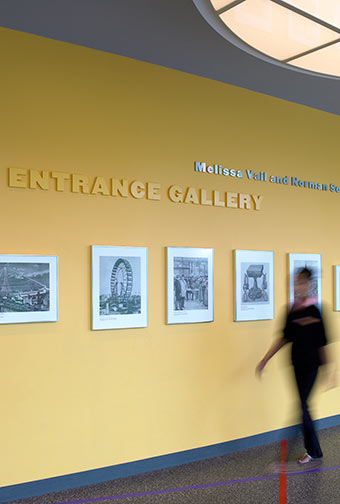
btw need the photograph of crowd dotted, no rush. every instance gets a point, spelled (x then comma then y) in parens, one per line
(190, 283)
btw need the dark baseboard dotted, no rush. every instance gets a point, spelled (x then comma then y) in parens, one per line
(70, 481)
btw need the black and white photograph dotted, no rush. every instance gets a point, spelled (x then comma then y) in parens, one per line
(119, 287)
(28, 289)
(313, 262)
(190, 285)
(254, 285)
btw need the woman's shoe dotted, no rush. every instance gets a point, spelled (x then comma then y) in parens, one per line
(305, 459)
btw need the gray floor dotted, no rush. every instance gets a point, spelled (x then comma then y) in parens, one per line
(250, 476)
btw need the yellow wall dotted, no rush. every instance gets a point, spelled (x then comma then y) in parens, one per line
(75, 399)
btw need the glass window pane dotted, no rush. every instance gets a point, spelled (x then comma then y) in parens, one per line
(275, 30)
(327, 10)
(325, 60)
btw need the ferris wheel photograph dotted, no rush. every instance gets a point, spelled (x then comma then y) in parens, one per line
(119, 287)
(120, 281)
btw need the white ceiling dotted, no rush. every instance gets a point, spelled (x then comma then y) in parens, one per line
(171, 33)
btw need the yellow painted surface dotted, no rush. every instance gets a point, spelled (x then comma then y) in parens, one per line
(75, 399)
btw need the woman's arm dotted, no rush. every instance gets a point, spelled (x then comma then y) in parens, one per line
(323, 355)
(277, 345)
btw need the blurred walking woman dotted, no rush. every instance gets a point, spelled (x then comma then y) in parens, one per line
(305, 330)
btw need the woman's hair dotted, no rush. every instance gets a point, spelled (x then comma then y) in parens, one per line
(305, 273)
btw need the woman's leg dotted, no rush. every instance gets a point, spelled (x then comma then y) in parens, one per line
(305, 381)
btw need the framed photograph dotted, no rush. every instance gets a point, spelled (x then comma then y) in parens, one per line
(119, 287)
(190, 285)
(28, 289)
(254, 285)
(312, 262)
(337, 288)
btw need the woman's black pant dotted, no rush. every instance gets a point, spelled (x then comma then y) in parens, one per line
(305, 381)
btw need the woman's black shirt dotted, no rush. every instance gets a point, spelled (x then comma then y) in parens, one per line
(305, 329)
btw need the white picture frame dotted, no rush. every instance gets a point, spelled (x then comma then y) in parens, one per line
(28, 288)
(253, 285)
(119, 287)
(337, 288)
(298, 261)
(190, 285)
